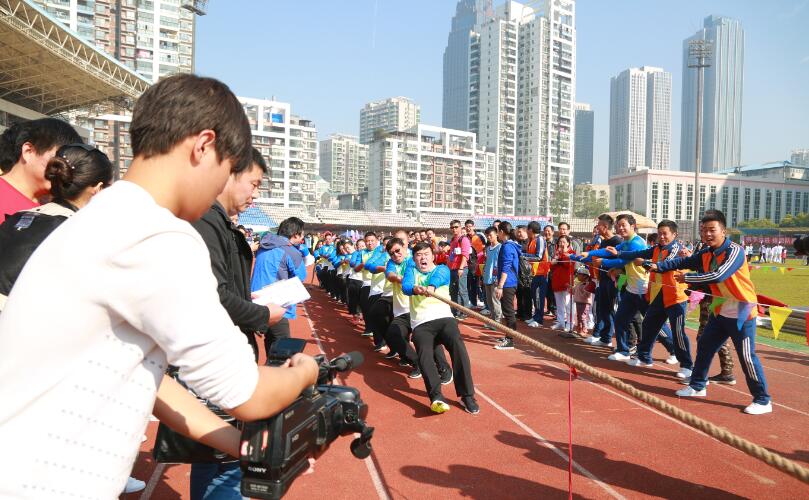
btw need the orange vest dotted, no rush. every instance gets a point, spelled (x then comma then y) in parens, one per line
(543, 267)
(673, 292)
(738, 285)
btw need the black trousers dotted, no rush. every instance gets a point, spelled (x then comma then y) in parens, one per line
(398, 339)
(507, 304)
(363, 302)
(340, 288)
(525, 303)
(379, 318)
(353, 295)
(333, 284)
(443, 331)
(277, 331)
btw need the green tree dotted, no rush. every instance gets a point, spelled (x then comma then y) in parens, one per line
(758, 224)
(800, 220)
(587, 204)
(560, 201)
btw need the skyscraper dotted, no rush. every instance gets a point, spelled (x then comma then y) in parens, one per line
(289, 144)
(640, 119)
(395, 114)
(522, 90)
(344, 163)
(153, 37)
(583, 163)
(722, 98)
(468, 15)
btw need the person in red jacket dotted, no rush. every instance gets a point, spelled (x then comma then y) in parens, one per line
(562, 270)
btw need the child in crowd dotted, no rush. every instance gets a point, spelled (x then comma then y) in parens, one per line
(561, 277)
(583, 297)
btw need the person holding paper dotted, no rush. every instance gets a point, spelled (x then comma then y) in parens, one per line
(231, 256)
(279, 258)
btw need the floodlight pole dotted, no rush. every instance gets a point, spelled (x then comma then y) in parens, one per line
(700, 51)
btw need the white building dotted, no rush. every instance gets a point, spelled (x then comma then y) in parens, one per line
(289, 144)
(640, 119)
(770, 191)
(395, 114)
(722, 101)
(154, 38)
(431, 169)
(522, 93)
(344, 164)
(800, 157)
(583, 158)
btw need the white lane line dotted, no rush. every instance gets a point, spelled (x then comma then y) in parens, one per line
(376, 478)
(589, 475)
(153, 480)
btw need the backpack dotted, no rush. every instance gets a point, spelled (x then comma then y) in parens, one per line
(526, 273)
(473, 255)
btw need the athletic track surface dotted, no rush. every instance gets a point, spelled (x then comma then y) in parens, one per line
(517, 447)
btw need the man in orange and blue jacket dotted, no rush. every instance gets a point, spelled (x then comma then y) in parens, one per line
(722, 267)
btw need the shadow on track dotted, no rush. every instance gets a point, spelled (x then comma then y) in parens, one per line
(618, 473)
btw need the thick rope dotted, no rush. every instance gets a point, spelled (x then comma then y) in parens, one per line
(773, 459)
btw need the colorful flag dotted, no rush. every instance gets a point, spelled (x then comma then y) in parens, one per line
(782, 269)
(778, 315)
(621, 281)
(694, 299)
(717, 303)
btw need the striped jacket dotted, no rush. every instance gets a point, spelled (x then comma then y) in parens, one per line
(673, 292)
(724, 270)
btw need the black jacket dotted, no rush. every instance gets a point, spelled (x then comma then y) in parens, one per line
(231, 262)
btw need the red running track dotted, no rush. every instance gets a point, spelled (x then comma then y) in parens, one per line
(517, 446)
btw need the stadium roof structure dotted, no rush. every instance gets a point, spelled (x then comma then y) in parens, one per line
(46, 67)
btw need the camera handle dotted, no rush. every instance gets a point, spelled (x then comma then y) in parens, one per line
(361, 446)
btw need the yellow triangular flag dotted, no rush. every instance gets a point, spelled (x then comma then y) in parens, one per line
(782, 269)
(778, 315)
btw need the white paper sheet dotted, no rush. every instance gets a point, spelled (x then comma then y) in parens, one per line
(282, 293)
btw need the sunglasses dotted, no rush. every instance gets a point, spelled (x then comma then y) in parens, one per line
(395, 250)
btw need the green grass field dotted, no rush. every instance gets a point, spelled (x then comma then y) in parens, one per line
(792, 288)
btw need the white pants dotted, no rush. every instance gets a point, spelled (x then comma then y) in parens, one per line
(563, 304)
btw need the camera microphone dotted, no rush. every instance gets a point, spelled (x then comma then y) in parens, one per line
(347, 361)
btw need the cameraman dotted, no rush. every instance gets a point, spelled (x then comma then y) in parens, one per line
(114, 308)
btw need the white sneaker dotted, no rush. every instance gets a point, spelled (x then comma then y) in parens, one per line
(592, 339)
(684, 373)
(758, 409)
(485, 312)
(689, 392)
(671, 360)
(533, 324)
(558, 326)
(134, 485)
(617, 356)
(637, 362)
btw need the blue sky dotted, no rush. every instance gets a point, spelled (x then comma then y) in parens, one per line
(328, 58)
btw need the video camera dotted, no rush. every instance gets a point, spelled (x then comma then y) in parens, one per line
(276, 450)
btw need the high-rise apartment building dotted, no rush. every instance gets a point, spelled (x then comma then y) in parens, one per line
(344, 164)
(799, 157)
(431, 169)
(722, 98)
(583, 157)
(395, 114)
(152, 37)
(469, 14)
(522, 91)
(640, 120)
(289, 144)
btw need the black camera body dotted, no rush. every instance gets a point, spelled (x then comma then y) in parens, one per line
(276, 450)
